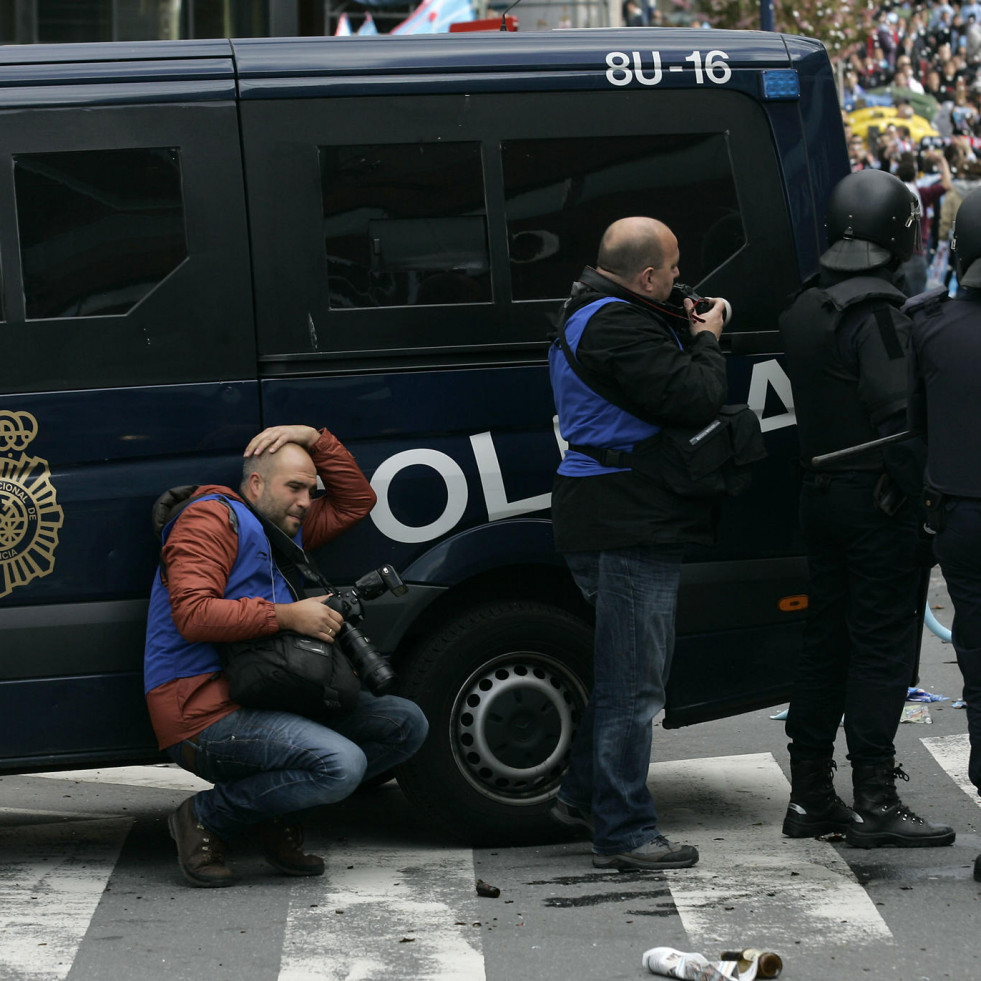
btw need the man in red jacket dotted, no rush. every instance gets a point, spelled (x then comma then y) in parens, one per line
(218, 582)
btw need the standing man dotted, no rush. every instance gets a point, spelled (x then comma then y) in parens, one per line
(946, 403)
(621, 532)
(846, 346)
(218, 582)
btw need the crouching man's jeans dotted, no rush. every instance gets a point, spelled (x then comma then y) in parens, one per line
(265, 764)
(634, 591)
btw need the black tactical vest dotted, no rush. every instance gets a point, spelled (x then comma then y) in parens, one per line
(831, 401)
(947, 353)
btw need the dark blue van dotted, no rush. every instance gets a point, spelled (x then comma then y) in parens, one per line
(202, 238)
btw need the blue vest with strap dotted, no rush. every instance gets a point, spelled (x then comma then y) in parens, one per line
(167, 654)
(585, 417)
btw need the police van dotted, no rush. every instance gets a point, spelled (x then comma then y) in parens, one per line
(199, 239)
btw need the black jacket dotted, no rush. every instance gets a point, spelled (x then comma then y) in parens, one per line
(632, 348)
(946, 397)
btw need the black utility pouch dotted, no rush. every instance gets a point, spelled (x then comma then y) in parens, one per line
(691, 460)
(887, 496)
(934, 507)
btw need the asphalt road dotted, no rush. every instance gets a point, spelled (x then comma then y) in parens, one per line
(89, 888)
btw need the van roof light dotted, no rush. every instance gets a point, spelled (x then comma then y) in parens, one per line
(781, 84)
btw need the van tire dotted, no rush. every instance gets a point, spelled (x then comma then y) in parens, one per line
(498, 669)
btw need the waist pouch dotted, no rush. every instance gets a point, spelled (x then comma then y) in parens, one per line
(702, 462)
(290, 672)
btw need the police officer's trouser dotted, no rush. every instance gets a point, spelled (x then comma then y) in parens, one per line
(861, 634)
(958, 550)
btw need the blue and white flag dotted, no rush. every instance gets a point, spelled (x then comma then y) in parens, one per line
(367, 26)
(343, 27)
(435, 17)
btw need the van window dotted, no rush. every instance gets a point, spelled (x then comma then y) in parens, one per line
(372, 200)
(560, 195)
(98, 229)
(122, 232)
(404, 224)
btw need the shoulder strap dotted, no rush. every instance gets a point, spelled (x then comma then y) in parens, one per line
(291, 560)
(599, 385)
(887, 331)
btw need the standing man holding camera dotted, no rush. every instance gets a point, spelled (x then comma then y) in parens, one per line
(621, 532)
(218, 583)
(846, 344)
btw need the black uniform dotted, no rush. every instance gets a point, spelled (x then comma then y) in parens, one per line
(846, 345)
(945, 401)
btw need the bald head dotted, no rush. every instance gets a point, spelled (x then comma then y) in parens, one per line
(641, 254)
(280, 485)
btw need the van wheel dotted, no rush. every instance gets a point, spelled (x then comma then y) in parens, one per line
(503, 687)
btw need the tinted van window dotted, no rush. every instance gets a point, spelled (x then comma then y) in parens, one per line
(98, 229)
(405, 224)
(561, 193)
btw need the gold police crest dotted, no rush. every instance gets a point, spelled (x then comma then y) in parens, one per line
(29, 513)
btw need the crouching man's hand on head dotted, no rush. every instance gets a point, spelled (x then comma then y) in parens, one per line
(271, 439)
(310, 617)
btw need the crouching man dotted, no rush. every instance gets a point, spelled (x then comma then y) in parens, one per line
(218, 582)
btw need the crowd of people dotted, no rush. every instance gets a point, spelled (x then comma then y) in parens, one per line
(923, 60)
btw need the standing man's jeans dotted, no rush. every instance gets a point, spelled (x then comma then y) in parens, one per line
(958, 550)
(634, 591)
(265, 764)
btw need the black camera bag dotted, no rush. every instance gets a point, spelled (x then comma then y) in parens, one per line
(291, 672)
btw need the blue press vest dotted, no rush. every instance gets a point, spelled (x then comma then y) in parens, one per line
(585, 417)
(167, 654)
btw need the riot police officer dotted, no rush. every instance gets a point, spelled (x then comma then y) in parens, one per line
(846, 344)
(945, 402)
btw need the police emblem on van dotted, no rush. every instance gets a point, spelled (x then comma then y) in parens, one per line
(29, 513)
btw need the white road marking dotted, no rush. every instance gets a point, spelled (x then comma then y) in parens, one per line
(53, 876)
(752, 887)
(386, 912)
(952, 753)
(164, 776)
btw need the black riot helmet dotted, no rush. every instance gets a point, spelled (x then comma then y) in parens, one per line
(873, 218)
(967, 232)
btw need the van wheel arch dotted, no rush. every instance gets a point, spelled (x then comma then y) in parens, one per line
(503, 686)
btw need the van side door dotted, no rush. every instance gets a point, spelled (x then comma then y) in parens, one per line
(127, 366)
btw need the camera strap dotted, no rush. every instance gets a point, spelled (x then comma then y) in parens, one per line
(292, 561)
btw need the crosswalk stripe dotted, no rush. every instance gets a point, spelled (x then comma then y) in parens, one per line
(404, 911)
(952, 753)
(386, 912)
(54, 875)
(774, 892)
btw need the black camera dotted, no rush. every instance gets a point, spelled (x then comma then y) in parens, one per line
(372, 666)
(680, 292)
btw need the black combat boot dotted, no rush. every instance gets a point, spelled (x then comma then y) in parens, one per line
(815, 809)
(881, 818)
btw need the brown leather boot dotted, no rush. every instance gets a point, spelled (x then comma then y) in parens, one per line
(283, 844)
(200, 852)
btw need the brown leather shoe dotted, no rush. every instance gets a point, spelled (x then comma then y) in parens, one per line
(283, 844)
(200, 852)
